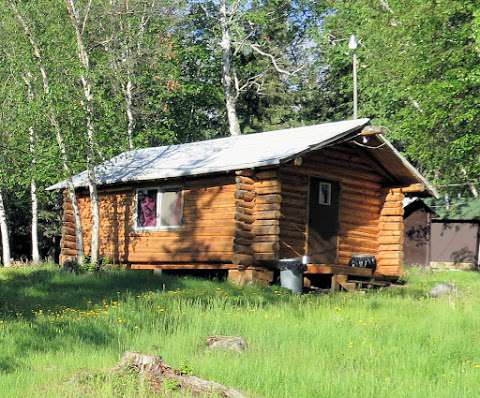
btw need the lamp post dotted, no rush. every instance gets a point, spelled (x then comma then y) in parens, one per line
(352, 45)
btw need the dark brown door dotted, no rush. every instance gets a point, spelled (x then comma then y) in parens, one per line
(323, 220)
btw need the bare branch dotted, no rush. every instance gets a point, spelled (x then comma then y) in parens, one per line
(87, 11)
(239, 45)
(207, 13)
(252, 81)
(233, 10)
(273, 60)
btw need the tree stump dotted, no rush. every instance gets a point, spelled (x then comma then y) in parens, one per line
(156, 370)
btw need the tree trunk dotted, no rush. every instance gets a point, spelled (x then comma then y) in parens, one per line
(129, 109)
(471, 186)
(7, 261)
(228, 79)
(88, 96)
(34, 199)
(56, 126)
(33, 185)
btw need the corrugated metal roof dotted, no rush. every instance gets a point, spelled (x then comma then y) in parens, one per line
(218, 155)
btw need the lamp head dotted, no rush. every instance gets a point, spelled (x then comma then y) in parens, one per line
(352, 43)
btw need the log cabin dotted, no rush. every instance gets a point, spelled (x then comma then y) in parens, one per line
(323, 193)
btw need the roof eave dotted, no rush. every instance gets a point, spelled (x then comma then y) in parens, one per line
(415, 173)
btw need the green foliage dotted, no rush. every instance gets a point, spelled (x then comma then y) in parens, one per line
(419, 76)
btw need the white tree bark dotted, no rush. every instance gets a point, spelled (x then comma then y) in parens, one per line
(228, 78)
(129, 109)
(471, 186)
(88, 97)
(33, 185)
(7, 261)
(56, 127)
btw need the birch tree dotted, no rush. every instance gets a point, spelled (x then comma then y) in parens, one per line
(7, 262)
(241, 33)
(125, 26)
(27, 77)
(83, 57)
(228, 73)
(53, 119)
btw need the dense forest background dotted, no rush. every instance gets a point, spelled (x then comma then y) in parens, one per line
(84, 80)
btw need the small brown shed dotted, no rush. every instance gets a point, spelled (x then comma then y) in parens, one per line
(326, 192)
(455, 244)
(436, 242)
(417, 219)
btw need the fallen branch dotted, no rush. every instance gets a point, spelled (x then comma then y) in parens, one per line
(153, 368)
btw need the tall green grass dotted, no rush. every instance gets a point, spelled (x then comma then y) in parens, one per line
(61, 333)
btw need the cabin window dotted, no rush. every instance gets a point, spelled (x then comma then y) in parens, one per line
(159, 208)
(324, 193)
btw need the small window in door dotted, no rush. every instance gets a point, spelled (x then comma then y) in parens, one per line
(325, 193)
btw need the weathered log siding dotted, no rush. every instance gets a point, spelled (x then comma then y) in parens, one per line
(362, 199)
(257, 217)
(206, 235)
(267, 216)
(391, 233)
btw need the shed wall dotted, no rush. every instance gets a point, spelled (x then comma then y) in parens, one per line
(206, 235)
(454, 243)
(417, 237)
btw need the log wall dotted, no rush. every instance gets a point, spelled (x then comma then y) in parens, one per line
(363, 205)
(257, 218)
(206, 234)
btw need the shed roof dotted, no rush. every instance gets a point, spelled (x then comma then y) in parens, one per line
(227, 154)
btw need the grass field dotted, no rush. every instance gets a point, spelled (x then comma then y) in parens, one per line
(61, 333)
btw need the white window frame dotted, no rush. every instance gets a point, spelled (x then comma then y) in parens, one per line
(160, 192)
(329, 185)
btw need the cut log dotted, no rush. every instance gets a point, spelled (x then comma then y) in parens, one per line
(245, 210)
(244, 218)
(267, 190)
(262, 247)
(247, 196)
(264, 199)
(243, 234)
(242, 242)
(268, 206)
(268, 215)
(246, 187)
(266, 256)
(245, 205)
(244, 180)
(266, 222)
(153, 368)
(241, 249)
(266, 230)
(243, 226)
(268, 184)
(242, 259)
